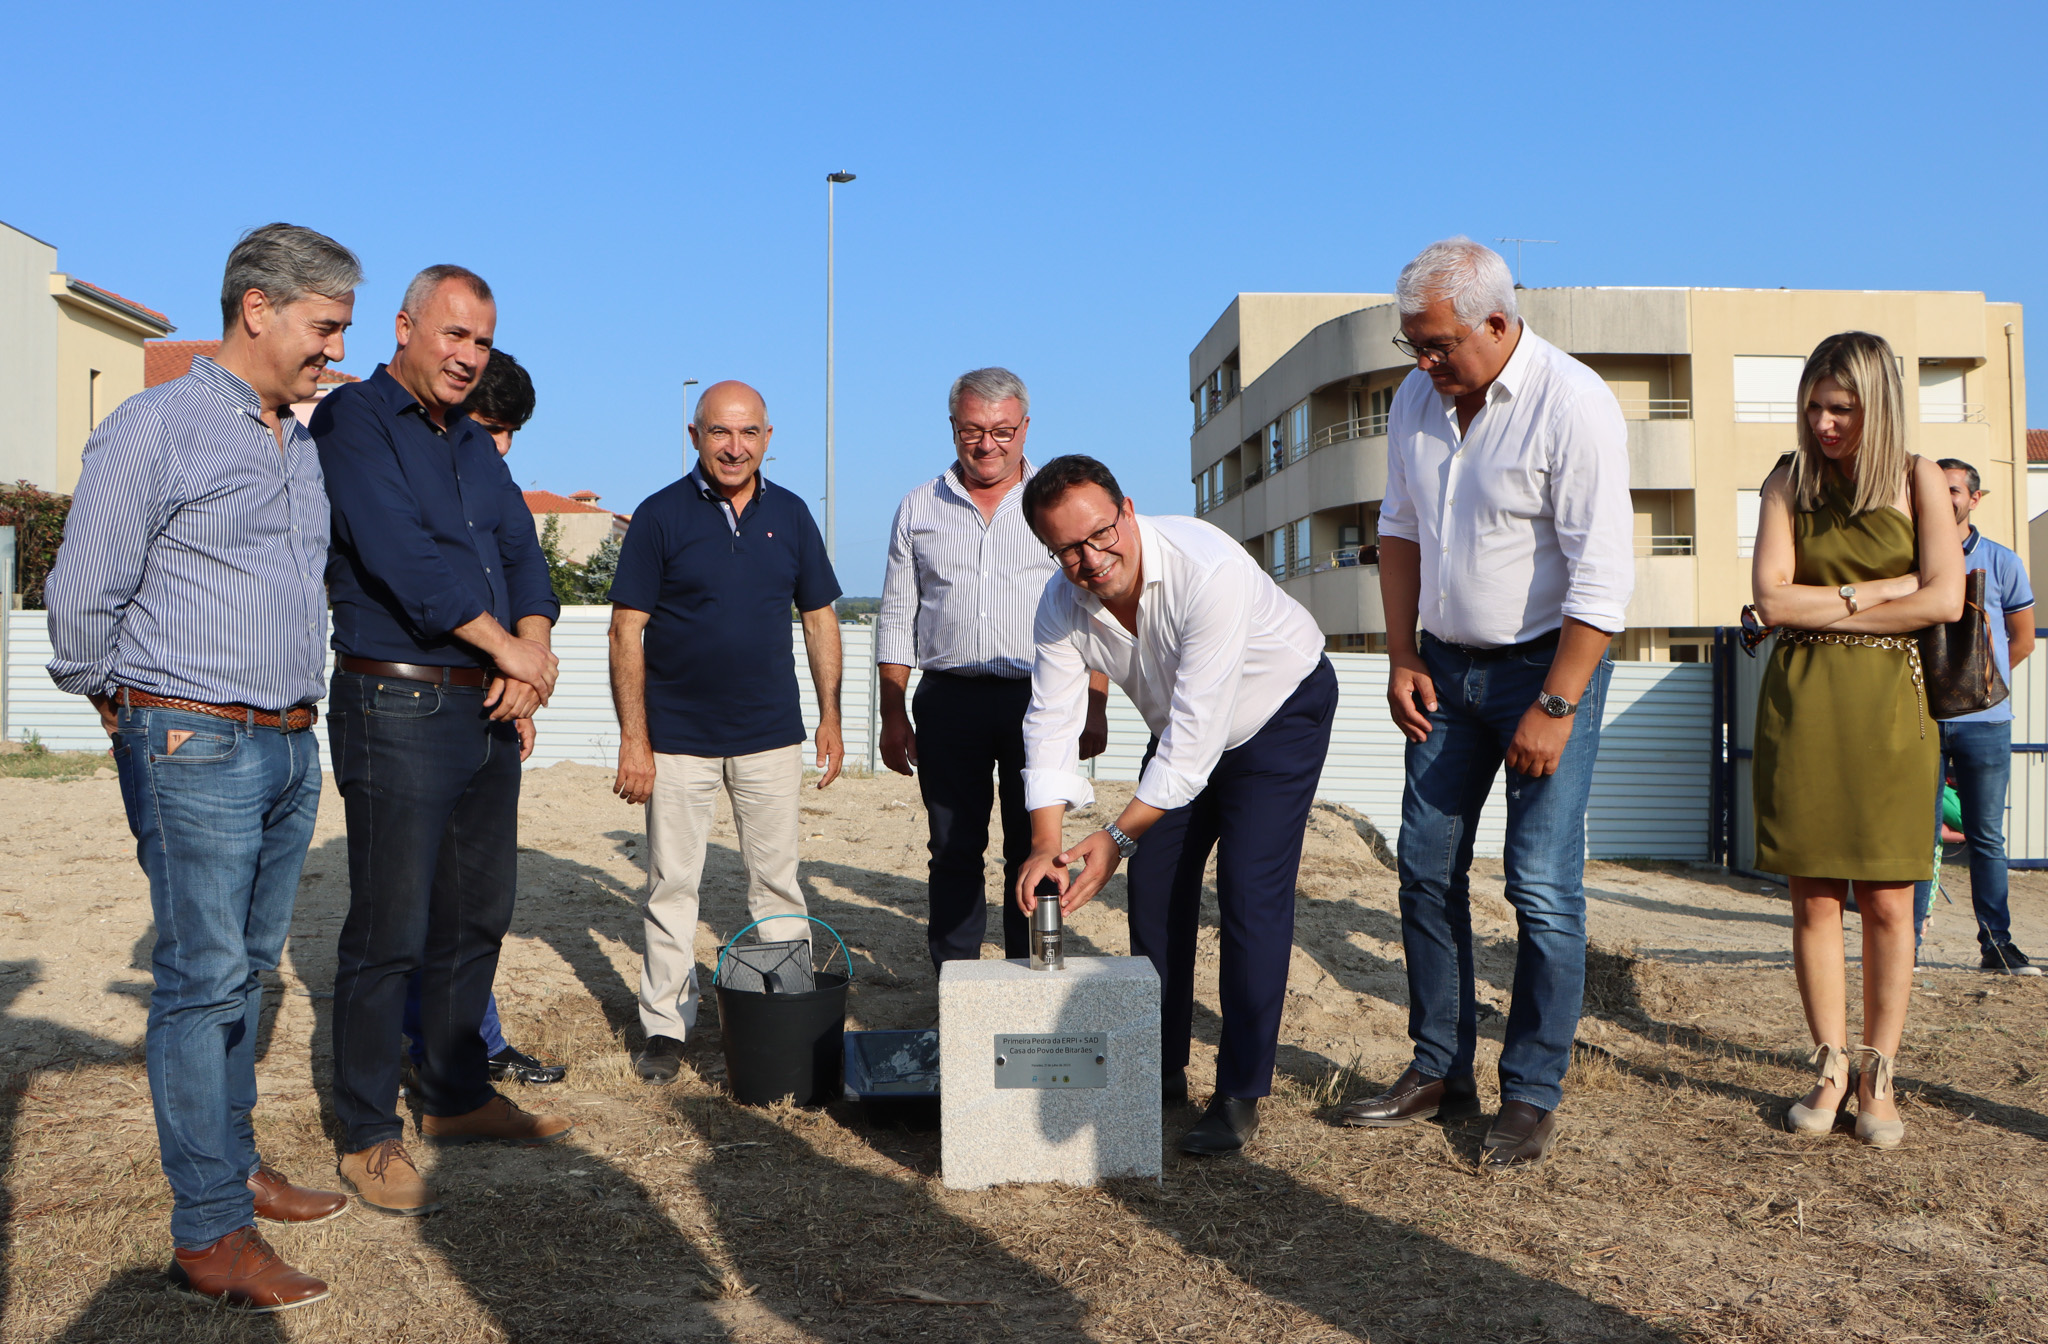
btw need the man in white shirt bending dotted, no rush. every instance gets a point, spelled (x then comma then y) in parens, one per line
(957, 602)
(1507, 534)
(1229, 673)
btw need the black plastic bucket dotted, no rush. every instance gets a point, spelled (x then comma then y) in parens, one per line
(784, 1045)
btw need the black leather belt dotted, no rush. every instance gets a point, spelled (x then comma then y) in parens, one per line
(439, 676)
(1499, 651)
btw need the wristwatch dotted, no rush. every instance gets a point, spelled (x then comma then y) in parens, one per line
(1847, 592)
(1124, 844)
(1556, 706)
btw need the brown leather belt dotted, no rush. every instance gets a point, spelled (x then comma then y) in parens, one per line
(439, 676)
(296, 720)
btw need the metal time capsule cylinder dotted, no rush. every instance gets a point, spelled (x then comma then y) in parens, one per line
(1048, 930)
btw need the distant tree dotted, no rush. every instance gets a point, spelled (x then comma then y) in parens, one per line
(599, 571)
(37, 517)
(564, 575)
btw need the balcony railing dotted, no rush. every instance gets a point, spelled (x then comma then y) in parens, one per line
(1671, 545)
(1229, 493)
(1954, 413)
(1767, 412)
(1209, 403)
(1655, 408)
(1361, 427)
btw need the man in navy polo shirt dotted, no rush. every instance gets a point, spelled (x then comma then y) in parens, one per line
(1977, 748)
(706, 693)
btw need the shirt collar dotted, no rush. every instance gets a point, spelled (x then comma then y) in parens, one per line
(950, 478)
(230, 388)
(703, 486)
(400, 401)
(1971, 544)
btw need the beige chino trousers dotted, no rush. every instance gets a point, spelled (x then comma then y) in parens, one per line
(764, 788)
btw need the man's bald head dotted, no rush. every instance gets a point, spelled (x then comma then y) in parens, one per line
(731, 431)
(718, 398)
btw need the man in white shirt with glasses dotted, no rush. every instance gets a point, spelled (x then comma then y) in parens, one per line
(1229, 673)
(1507, 535)
(958, 598)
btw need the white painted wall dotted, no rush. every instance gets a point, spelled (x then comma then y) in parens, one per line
(28, 361)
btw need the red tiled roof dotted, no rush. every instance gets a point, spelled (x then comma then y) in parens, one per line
(2037, 445)
(165, 360)
(121, 298)
(547, 501)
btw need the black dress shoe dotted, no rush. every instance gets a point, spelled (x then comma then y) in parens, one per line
(661, 1059)
(1522, 1136)
(513, 1065)
(1173, 1088)
(1415, 1096)
(1225, 1127)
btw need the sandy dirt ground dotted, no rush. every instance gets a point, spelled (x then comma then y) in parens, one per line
(1674, 1208)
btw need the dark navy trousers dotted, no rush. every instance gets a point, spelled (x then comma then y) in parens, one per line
(1253, 813)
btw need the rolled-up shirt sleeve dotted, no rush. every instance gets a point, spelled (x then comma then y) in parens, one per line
(1212, 638)
(1397, 508)
(1059, 708)
(528, 586)
(1591, 510)
(377, 517)
(129, 485)
(896, 624)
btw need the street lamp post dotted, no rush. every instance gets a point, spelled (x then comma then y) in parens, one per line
(688, 383)
(831, 552)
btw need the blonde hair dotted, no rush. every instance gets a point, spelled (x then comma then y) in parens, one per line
(1867, 370)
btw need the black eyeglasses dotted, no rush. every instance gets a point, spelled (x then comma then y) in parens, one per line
(1098, 541)
(1435, 354)
(969, 435)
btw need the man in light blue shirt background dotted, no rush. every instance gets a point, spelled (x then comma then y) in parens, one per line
(1977, 748)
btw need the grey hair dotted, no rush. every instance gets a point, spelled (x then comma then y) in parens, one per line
(426, 282)
(1471, 275)
(286, 263)
(992, 385)
(1957, 464)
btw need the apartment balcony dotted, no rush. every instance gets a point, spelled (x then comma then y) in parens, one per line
(1660, 454)
(1318, 477)
(1667, 583)
(1341, 589)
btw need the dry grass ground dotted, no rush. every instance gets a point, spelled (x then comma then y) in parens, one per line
(1675, 1209)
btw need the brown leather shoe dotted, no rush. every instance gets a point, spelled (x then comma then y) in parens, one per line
(1415, 1096)
(241, 1273)
(385, 1179)
(279, 1201)
(498, 1120)
(1522, 1136)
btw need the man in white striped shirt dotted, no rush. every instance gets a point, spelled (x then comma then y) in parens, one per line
(963, 583)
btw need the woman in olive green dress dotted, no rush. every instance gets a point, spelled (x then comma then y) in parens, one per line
(1846, 757)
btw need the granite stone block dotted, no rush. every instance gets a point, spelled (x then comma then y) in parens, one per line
(1079, 1135)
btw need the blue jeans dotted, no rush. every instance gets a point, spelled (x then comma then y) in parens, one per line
(221, 825)
(430, 787)
(1479, 704)
(1980, 757)
(491, 1030)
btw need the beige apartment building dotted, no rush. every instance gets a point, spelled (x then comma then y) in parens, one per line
(69, 353)
(1291, 394)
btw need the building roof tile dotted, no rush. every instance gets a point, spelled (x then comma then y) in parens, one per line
(121, 298)
(547, 501)
(2037, 445)
(165, 360)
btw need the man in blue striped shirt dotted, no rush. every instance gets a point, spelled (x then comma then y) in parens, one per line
(963, 583)
(187, 602)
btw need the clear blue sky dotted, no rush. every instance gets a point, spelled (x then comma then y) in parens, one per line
(1072, 190)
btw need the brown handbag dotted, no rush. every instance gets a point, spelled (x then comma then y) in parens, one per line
(1956, 658)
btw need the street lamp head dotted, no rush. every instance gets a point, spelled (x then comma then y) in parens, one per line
(839, 177)
(689, 382)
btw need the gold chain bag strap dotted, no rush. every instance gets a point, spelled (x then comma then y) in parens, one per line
(1908, 643)
(1962, 673)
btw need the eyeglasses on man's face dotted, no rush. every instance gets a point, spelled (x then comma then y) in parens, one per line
(1098, 541)
(970, 435)
(1432, 355)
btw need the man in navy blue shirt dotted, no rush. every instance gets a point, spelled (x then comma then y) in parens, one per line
(705, 687)
(442, 613)
(1977, 748)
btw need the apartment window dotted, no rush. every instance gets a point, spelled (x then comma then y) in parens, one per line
(1942, 389)
(1379, 406)
(1276, 552)
(1300, 558)
(1749, 505)
(1297, 431)
(1276, 446)
(1767, 389)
